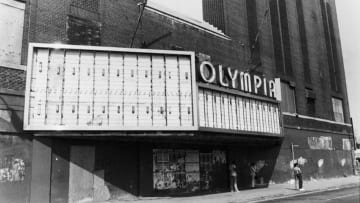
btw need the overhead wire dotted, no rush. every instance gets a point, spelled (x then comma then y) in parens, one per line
(143, 4)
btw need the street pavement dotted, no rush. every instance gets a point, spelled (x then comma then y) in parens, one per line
(344, 195)
(274, 193)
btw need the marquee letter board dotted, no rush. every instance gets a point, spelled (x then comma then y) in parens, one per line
(73, 87)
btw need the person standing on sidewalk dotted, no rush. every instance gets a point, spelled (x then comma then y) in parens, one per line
(298, 176)
(253, 171)
(233, 177)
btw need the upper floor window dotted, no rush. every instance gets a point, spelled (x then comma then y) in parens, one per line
(83, 32)
(310, 102)
(288, 103)
(338, 110)
(208, 14)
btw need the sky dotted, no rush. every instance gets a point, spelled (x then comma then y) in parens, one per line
(183, 7)
(348, 12)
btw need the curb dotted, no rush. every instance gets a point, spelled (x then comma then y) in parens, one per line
(282, 196)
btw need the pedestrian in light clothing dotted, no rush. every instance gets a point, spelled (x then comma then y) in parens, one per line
(298, 176)
(233, 177)
(253, 171)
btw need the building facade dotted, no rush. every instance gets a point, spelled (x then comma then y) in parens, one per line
(232, 53)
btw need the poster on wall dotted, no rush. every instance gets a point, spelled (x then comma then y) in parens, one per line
(72, 87)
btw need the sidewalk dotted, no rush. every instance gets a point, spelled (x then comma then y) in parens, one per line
(255, 195)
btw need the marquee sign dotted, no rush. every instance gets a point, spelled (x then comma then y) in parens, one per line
(101, 88)
(242, 81)
(223, 111)
(226, 105)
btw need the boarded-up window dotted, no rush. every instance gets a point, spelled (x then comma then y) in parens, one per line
(338, 110)
(310, 106)
(11, 26)
(322, 142)
(83, 32)
(89, 5)
(176, 170)
(346, 144)
(310, 102)
(288, 103)
(184, 170)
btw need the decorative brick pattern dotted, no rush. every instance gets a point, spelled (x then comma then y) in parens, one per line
(90, 5)
(12, 79)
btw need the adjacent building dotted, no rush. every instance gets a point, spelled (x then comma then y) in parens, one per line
(136, 98)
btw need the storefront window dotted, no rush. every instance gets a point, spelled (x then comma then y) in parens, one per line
(187, 170)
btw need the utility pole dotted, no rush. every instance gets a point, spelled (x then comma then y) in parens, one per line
(293, 151)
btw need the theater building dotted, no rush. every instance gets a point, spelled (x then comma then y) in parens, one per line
(133, 98)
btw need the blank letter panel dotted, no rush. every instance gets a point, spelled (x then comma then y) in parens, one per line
(158, 92)
(86, 83)
(71, 88)
(101, 87)
(145, 98)
(202, 108)
(131, 87)
(55, 88)
(38, 87)
(116, 90)
(185, 78)
(209, 117)
(172, 91)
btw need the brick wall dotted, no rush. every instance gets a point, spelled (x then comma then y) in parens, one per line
(118, 22)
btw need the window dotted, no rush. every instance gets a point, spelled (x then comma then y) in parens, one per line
(83, 32)
(346, 144)
(324, 143)
(185, 170)
(288, 103)
(310, 102)
(199, 12)
(338, 110)
(310, 106)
